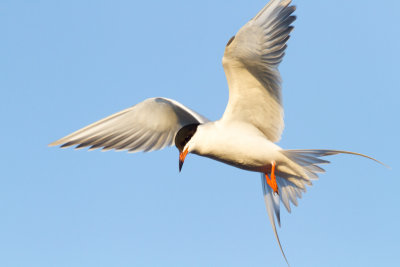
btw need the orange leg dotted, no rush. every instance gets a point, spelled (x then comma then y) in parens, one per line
(272, 181)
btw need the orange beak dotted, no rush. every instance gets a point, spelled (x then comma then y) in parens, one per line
(182, 157)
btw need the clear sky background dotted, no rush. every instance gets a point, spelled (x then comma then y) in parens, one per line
(65, 64)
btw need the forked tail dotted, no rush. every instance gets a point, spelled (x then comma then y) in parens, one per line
(302, 167)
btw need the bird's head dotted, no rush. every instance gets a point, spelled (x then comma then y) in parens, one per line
(182, 141)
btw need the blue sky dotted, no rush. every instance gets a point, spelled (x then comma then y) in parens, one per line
(65, 64)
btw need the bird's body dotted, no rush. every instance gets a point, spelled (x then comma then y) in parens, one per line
(235, 143)
(245, 136)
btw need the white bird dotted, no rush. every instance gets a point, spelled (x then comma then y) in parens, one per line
(245, 135)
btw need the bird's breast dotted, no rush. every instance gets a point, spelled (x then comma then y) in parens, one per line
(239, 145)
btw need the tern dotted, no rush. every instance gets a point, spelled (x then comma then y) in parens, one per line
(246, 134)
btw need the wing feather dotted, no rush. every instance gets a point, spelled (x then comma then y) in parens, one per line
(251, 63)
(149, 125)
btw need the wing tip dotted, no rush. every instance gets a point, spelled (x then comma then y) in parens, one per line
(57, 143)
(64, 144)
(52, 144)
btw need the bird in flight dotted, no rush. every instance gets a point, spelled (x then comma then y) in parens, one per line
(246, 134)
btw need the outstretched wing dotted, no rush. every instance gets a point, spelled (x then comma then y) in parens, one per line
(149, 125)
(251, 63)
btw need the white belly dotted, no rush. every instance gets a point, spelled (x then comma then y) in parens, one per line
(240, 145)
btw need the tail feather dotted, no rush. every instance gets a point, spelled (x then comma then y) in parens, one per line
(303, 166)
(316, 153)
(292, 178)
(304, 160)
(272, 204)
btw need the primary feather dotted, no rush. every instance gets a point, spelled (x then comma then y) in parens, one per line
(149, 125)
(251, 63)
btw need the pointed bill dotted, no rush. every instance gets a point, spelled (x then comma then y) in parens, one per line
(182, 157)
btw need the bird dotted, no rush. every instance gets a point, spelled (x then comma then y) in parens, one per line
(246, 135)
